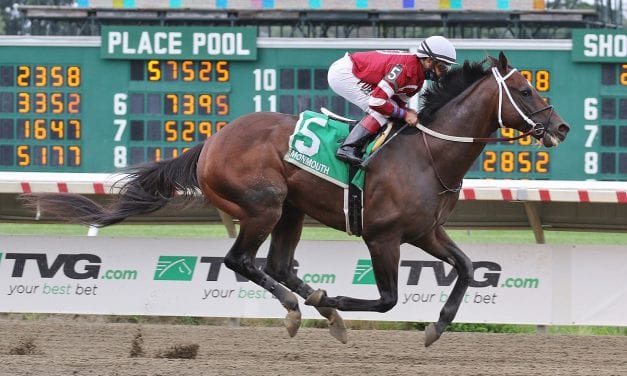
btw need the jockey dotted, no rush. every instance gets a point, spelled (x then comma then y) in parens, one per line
(381, 83)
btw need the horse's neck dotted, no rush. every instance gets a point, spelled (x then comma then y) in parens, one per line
(474, 111)
(471, 114)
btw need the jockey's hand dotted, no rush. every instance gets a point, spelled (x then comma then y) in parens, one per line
(411, 117)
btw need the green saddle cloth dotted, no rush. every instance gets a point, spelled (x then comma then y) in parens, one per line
(312, 147)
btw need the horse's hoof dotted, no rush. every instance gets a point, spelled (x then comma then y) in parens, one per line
(337, 328)
(292, 322)
(336, 324)
(431, 335)
(316, 297)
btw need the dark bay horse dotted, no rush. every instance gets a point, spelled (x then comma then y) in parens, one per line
(408, 196)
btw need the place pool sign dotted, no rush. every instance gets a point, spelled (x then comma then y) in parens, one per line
(180, 43)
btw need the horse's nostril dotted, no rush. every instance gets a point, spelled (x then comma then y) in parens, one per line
(563, 128)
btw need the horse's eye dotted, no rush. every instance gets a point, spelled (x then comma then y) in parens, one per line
(526, 93)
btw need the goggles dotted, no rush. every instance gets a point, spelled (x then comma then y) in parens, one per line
(442, 67)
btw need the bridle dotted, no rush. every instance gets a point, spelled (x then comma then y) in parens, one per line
(536, 129)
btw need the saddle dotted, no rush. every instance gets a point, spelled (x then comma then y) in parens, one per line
(313, 146)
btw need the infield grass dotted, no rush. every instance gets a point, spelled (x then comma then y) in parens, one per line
(218, 231)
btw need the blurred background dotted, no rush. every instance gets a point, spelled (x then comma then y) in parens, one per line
(314, 19)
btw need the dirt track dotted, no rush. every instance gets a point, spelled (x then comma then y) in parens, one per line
(84, 348)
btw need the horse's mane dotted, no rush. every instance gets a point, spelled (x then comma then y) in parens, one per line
(451, 85)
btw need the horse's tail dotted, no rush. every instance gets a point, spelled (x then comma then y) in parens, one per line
(145, 189)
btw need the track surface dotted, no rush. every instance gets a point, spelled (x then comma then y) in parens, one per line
(67, 348)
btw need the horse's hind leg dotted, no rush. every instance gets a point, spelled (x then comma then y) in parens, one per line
(254, 230)
(280, 264)
(441, 246)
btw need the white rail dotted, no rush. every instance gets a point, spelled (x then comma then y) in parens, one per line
(473, 189)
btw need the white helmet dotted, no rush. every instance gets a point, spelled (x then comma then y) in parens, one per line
(438, 48)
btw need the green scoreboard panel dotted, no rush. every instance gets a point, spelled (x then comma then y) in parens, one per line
(140, 94)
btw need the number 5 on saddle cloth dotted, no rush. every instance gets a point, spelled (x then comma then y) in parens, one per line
(312, 147)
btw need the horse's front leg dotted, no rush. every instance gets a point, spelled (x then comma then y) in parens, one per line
(441, 246)
(385, 254)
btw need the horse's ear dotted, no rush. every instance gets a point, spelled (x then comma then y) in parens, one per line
(491, 60)
(502, 62)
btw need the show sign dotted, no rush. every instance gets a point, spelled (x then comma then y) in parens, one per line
(599, 45)
(522, 284)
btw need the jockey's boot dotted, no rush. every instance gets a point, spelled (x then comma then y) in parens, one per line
(351, 150)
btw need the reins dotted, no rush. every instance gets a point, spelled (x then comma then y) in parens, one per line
(472, 140)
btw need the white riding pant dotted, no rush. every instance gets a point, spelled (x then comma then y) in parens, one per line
(344, 83)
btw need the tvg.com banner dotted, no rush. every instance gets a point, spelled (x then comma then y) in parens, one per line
(530, 284)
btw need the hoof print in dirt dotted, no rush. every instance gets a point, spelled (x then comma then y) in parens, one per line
(24, 347)
(137, 345)
(180, 351)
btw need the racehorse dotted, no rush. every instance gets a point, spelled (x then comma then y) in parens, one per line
(410, 188)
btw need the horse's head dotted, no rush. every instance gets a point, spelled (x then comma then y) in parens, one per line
(522, 108)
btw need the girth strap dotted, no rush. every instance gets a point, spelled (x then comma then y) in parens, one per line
(355, 202)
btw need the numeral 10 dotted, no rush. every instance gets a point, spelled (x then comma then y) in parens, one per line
(265, 79)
